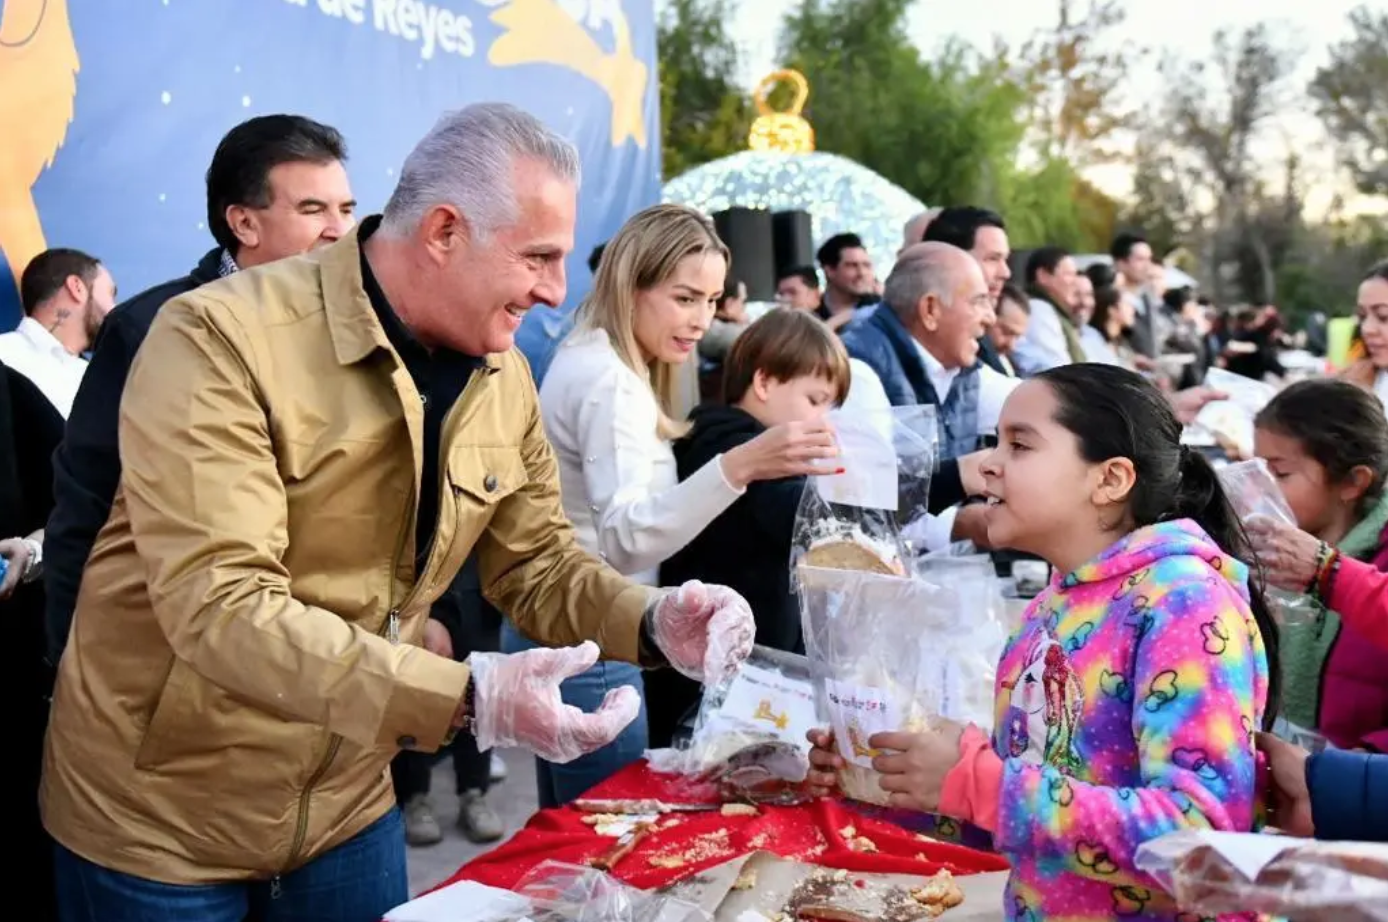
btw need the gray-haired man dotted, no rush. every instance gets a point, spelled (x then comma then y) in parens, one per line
(310, 451)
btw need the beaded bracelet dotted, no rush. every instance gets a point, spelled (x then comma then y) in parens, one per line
(1325, 578)
(1327, 560)
(1322, 552)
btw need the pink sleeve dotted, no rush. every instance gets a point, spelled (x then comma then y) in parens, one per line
(971, 789)
(1359, 594)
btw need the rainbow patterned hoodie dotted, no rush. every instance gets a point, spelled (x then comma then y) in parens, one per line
(1126, 705)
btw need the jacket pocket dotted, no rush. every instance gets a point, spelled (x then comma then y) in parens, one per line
(170, 719)
(480, 478)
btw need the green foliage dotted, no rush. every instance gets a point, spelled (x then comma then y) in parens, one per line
(1351, 96)
(704, 114)
(1073, 74)
(941, 129)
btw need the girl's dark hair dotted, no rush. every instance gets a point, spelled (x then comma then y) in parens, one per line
(1116, 413)
(1339, 425)
(1105, 301)
(1378, 271)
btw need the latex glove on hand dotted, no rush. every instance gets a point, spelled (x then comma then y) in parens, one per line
(706, 632)
(516, 703)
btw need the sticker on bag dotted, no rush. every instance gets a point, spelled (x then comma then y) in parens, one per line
(857, 712)
(780, 706)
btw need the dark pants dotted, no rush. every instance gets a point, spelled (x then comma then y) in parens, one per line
(358, 881)
(474, 626)
(472, 770)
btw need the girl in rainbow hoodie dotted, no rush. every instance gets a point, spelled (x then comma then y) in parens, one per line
(1128, 699)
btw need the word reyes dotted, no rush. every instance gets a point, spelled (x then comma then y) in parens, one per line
(434, 28)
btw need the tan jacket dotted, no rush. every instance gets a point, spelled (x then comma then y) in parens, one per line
(229, 701)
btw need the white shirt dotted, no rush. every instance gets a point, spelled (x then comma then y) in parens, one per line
(866, 393)
(993, 388)
(1043, 347)
(37, 355)
(617, 477)
(1381, 386)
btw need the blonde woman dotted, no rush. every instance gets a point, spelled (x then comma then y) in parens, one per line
(606, 403)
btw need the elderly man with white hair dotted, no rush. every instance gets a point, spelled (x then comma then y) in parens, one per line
(922, 346)
(311, 450)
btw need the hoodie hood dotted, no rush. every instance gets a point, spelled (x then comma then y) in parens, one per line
(1175, 546)
(715, 429)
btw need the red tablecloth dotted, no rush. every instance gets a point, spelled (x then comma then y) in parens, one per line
(811, 832)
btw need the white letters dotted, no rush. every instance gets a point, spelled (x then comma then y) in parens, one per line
(431, 26)
(409, 20)
(383, 16)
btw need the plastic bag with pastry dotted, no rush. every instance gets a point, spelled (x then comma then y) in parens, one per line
(854, 520)
(891, 653)
(1309, 881)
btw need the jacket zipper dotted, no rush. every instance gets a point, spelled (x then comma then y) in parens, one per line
(390, 629)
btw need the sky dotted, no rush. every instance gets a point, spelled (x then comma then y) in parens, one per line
(1181, 26)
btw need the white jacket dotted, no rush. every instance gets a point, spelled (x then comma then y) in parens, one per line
(617, 477)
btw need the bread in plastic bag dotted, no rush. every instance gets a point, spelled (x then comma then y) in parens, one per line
(892, 653)
(1253, 492)
(750, 739)
(854, 520)
(560, 892)
(1302, 880)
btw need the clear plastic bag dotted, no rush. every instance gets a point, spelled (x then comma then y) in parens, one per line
(892, 653)
(855, 519)
(561, 892)
(1305, 881)
(1253, 492)
(750, 738)
(1231, 421)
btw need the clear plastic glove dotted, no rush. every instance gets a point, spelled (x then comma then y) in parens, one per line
(517, 703)
(705, 631)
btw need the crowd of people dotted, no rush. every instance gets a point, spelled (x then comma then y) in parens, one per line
(289, 525)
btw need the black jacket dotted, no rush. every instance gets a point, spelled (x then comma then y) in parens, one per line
(86, 467)
(747, 548)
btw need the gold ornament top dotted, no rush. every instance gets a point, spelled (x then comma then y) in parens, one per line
(782, 132)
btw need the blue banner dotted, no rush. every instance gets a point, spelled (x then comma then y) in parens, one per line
(110, 110)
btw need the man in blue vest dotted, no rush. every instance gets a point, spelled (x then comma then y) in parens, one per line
(922, 343)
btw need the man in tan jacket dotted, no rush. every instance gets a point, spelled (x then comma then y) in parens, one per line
(310, 451)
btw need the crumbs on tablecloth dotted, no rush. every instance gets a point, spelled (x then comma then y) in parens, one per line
(740, 810)
(862, 844)
(707, 846)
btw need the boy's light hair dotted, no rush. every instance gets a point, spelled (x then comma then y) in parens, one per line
(786, 344)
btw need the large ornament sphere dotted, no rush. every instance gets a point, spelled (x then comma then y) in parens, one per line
(841, 196)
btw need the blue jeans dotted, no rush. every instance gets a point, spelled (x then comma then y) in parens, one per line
(358, 881)
(560, 784)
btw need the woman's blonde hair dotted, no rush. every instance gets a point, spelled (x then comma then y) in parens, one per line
(642, 255)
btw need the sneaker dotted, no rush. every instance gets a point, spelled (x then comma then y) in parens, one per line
(477, 820)
(498, 769)
(421, 828)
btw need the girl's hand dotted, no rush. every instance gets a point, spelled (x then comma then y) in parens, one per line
(914, 772)
(825, 763)
(1291, 800)
(1289, 556)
